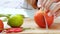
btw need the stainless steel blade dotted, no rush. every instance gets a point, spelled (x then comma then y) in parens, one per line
(46, 22)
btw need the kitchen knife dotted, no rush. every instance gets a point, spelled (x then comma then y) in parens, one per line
(46, 22)
(45, 19)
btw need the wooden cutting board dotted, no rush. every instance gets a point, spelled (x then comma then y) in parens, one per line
(34, 29)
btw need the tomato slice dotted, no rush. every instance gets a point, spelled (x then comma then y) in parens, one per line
(14, 30)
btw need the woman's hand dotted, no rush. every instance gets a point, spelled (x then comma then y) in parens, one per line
(33, 3)
(47, 3)
(56, 10)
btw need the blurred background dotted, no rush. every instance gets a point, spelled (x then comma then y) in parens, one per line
(16, 7)
(19, 7)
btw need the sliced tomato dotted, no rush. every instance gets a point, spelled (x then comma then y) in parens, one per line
(14, 30)
(40, 20)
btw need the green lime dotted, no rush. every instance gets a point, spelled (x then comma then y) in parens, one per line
(16, 20)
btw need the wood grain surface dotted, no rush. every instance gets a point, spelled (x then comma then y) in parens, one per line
(34, 29)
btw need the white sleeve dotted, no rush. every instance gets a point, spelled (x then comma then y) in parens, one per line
(24, 4)
(39, 4)
(9, 3)
(14, 4)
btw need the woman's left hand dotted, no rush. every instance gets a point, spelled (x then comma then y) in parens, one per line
(47, 3)
(56, 10)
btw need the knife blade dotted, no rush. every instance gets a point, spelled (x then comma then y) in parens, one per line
(46, 22)
(45, 19)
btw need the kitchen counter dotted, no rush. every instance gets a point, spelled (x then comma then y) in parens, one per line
(34, 29)
(30, 23)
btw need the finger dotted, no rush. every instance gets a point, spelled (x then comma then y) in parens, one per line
(56, 0)
(41, 1)
(48, 4)
(57, 7)
(44, 2)
(58, 13)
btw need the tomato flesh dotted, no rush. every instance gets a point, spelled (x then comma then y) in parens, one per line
(13, 30)
(40, 21)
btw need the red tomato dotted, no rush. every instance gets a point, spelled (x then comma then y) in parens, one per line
(1, 26)
(13, 30)
(40, 21)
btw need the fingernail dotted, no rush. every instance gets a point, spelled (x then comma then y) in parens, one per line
(49, 14)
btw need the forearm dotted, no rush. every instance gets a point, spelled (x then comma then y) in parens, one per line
(33, 3)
